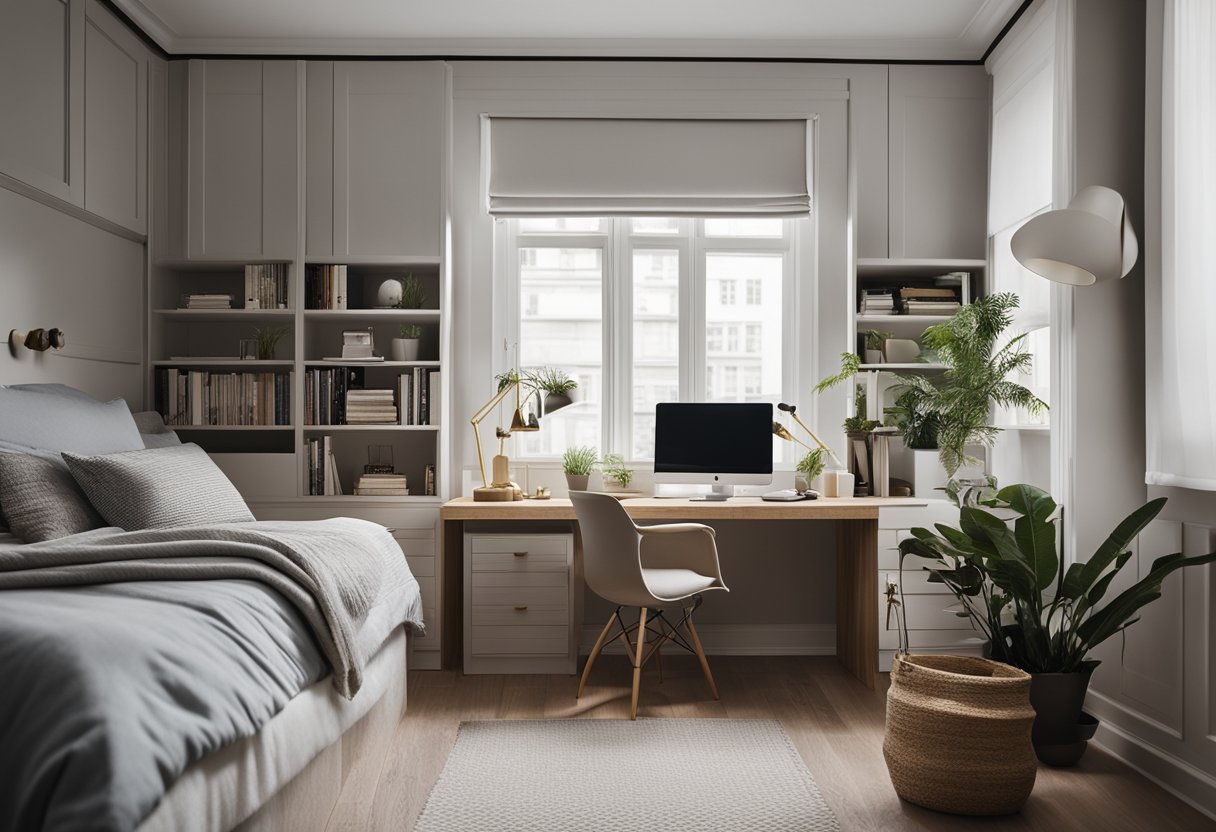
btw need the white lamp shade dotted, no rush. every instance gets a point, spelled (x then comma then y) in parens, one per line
(1088, 242)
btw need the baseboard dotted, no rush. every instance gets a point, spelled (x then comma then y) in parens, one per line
(745, 640)
(1178, 777)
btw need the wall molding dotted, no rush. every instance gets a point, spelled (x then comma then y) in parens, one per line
(72, 210)
(1178, 777)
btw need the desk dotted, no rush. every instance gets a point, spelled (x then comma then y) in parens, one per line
(856, 554)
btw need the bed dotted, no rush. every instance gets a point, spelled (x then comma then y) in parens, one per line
(196, 676)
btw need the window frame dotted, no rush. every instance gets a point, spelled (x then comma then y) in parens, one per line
(619, 242)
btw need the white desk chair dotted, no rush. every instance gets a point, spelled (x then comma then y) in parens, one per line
(655, 568)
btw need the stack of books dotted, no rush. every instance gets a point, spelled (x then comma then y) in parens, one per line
(200, 398)
(325, 287)
(381, 485)
(370, 407)
(207, 302)
(878, 302)
(418, 395)
(325, 394)
(266, 286)
(930, 301)
(323, 478)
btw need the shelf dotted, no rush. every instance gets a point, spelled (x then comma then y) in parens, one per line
(345, 428)
(1028, 428)
(397, 364)
(215, 265)
(223, 362)
(179, 428)
(372, 314)
(407, 261)
(340, 499)
(882, 267)
(223, 314)
(902, 326)
(916, 365)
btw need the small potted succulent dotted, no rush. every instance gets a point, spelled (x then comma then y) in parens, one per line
(405, 346)
(617, 475)
(413, 296)
(577, 463)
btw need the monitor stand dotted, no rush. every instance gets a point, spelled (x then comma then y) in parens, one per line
(717, 494)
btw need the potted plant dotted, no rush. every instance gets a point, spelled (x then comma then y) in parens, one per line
(917, 419)
(554, 385)
(874, 343)
(811, 468)
(577, 463)
(268, 341)
(413, 296)
(617, 475)
(1037, 615)
(405, 346)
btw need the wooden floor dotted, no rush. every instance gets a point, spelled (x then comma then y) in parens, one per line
(836, 724)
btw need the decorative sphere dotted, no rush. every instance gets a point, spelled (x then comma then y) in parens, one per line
(389, 293)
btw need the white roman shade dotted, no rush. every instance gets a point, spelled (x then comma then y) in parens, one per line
(646, 166)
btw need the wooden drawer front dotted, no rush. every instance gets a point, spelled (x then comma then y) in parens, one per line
(552, 597)
(521, 615)
(421, 567)
(541, 544)
(504, 579)
(521, 641)
(519, 562)
(888, 548)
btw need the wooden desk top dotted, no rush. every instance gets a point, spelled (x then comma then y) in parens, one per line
(651, 508)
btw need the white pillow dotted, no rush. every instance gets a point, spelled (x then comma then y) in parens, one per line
(52, 417)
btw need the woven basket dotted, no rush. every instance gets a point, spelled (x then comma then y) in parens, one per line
(958, 734)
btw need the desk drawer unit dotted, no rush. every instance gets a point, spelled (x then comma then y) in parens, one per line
(519, 603)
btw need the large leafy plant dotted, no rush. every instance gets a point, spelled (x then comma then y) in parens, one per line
(1038, 616)
(977, 376)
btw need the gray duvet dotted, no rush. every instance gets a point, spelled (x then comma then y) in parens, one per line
(135, 654)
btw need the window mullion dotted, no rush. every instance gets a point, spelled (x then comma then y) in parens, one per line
(619, 350)
(695, 312)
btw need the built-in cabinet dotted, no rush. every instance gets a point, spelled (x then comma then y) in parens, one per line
(74, 94)
(243, 141)
(937, 162)
(374, 135)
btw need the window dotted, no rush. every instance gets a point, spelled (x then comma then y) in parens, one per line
(646, 310)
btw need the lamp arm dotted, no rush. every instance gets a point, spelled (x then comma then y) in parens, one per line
(818, 441)
(476, 422)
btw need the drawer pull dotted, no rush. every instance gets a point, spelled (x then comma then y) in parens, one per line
(520, 554)
(520, 607)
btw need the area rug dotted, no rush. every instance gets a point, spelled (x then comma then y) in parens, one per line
(692, 775)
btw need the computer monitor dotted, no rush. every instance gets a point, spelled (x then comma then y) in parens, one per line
(716, 444)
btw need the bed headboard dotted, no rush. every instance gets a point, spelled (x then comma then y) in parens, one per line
(58, 271)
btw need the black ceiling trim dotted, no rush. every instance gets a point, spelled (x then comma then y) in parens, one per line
(1000, 36)
(124, 18)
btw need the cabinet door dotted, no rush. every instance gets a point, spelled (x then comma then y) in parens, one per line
(388, 128)
(938, 164)
(42, 95)
(243, 151)
(116, 121)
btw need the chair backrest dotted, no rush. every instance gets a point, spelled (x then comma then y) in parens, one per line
(612, 564)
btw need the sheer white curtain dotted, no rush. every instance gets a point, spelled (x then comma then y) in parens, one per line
(1182, 390)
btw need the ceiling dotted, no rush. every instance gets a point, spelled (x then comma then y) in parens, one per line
(860, 29)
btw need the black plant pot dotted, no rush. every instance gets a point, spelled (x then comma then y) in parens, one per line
(1061, 730)
(556, 401)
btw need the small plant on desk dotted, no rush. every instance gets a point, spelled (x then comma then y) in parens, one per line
(812, 464)
(616, 472)
(577, 463)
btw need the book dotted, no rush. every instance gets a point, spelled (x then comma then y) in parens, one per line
(266, 286)
(325, 287)
(239, 399)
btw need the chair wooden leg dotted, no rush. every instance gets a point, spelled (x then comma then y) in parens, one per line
(595, 652)
(637, 664)
(696, 642)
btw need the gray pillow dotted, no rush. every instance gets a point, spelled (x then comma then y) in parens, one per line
(58, 418)
(158, 488)
(153, 430)
(41, 500)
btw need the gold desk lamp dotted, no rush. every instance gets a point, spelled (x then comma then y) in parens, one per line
(781, 431)
(501, 489)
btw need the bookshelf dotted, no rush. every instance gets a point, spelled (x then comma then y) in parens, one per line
(203, 346)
